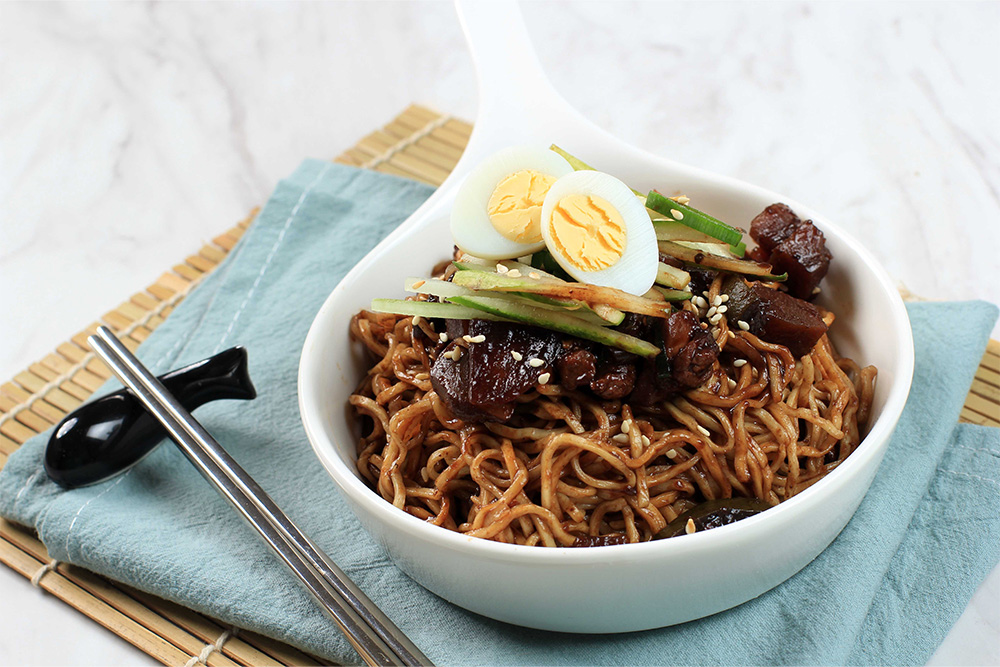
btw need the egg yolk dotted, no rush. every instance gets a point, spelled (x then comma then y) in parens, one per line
(588, 232)
(515, 207)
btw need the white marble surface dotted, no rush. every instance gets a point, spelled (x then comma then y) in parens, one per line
(131, 132)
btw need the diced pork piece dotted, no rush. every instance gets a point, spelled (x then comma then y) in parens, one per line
(780, 318)
(687, 355)
(614, 380)
(804, 257)
(793, 246)
(482, 384)
(773, 225)
(577, 368)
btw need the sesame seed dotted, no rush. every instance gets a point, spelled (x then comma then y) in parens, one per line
(725, 298)
(456, 354)
(732, 383)
(626, 425)
(671, 453)
(421, 376)
(677, 214)
(544, 378)
(681, 199)
(689, 527)
(536, 362)
(535, 275)
(621, 437)
(715, 319)
(417, 320)
(717, 301)
(722, 309)
(513, 273)
(705, 293)
(703, 430)
(501, 268)
(740, 363)
(517, 355)
(743, 325)
(645, 441)
(467, 338)
(443, 337)
(711, 312)
(481, 338)
(704, 325)
(816, 290)
(731, 334)
(700, 302)
(419, 284)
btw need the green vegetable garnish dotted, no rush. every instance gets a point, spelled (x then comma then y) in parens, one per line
(695, 219)
(556, 321)
(544, 260)
(744, 266)
(578, 164)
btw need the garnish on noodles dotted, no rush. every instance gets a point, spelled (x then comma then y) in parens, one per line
(637, 374)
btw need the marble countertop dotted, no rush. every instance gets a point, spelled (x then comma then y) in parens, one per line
(130, 133)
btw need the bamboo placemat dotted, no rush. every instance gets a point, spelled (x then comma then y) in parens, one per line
(418, 143)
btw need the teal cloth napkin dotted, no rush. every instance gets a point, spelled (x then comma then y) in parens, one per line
(886, 591)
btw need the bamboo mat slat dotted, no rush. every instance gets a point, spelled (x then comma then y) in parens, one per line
(419, 143)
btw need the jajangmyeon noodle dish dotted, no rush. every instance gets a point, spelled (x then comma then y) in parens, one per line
(598, 366)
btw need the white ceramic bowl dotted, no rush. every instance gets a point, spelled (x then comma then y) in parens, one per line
(555, 589)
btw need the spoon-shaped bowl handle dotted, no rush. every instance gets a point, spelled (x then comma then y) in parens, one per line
(109, 435)
(517, 104)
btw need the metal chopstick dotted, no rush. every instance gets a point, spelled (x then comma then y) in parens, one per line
(370, 632)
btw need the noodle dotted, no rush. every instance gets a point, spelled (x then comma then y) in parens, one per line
(555, 471)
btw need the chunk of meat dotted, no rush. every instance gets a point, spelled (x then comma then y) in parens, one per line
(803, 255)
(687, 354)
(781, 318)
(691, 349)
(738, 290)
(577, 368)
(484, 382)
(614, 380)
(793, 246)
(773, 225)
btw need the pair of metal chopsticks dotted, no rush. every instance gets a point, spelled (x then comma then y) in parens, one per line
(370, 632)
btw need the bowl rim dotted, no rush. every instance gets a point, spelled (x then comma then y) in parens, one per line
(871, 447)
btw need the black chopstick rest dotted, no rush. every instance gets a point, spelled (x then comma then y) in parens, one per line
(107, 436)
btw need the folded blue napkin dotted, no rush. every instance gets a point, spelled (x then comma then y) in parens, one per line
(886, 591)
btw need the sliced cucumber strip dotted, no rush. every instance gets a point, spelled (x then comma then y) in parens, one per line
(557, 321)
(591, 294)
(673, 294)
(693, 218)
(545, 262)
(671, 230)
(429, 309)
(434, 287)
(701, 258)
(717, 249)
(670, 276)
(610, 315)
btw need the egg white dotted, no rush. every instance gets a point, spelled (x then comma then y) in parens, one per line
(471, 228)
(635, 271)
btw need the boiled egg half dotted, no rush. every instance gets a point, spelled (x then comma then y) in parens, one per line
(498, 209)
(599, 232)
